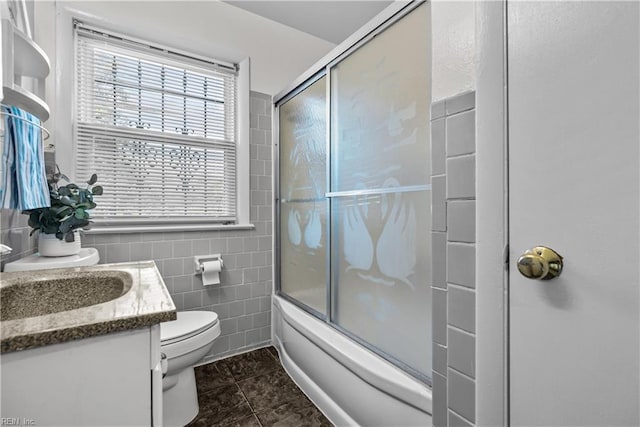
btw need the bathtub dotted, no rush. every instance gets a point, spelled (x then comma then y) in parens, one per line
(351, 385)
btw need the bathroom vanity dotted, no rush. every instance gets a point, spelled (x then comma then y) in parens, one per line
(81, 346)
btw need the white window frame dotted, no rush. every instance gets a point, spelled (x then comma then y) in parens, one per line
(64, 106)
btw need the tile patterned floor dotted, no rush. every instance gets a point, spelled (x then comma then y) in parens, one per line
(252, 390)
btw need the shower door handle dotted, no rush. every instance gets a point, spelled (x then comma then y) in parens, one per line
(540, 263)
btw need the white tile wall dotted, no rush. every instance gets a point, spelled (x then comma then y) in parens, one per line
(453, 277)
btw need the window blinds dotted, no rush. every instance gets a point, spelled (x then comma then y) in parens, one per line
(157, 127)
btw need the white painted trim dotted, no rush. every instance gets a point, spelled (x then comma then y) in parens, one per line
(491, 216)
(166, 228)
(243, 190)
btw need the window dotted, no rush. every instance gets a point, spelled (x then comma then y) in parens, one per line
(157, 127)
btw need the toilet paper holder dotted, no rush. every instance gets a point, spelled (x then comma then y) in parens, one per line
(199, 260)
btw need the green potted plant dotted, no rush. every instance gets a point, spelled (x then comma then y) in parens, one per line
(58, 225)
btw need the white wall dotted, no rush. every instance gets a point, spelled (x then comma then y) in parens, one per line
(214, 29)
(453, 38)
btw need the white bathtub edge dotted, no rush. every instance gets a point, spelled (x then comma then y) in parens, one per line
(367, 366)
(323, 402)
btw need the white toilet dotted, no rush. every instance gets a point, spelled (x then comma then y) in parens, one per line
(185, 341)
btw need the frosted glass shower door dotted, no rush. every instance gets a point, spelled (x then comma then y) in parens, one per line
(303, 206)
(380, 194)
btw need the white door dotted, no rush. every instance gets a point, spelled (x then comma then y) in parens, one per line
(574, 187)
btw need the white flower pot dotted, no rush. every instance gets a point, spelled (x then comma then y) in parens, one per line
(50, 245)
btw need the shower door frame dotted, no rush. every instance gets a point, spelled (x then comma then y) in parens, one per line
(322, 68)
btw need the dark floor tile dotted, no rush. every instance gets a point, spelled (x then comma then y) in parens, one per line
(273, 352)
(223, 404)
(293, 414)
(212, 375)
(251, 364)
(270, 390)
(251, 421)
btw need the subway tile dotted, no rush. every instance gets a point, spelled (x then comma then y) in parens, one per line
(261, 319)
(218, 245)
(253, 336)
(259, 259)
(258, 136)
(230, 277)
(162, 250)
(235, 245)
(461, 178)
(192, 300)
(228, 326)
(257, 167)
(264, 243)
(227, 294)
(105, 239)
(119, 252)
(264, 152)
(461, 264)
(440, 358)
(258, 106)
(439, 400)
(264, 182)
(265, 213)
(141, 251)
(258, 197)
(130, 237)
(461, 134)
(152, 237)
(253, 120)
(456, 420)
(461, 394)
(265, 303)
(265, 334)
(266, 273)
(439, 298)
(200, 247)
(258, 290)
(182, 248)
(459, 103)
(243, 260)
(182, 284)
(461, 221)
(438, 147)
(173, 267)
(439, 260)
(236, 308)
(243, 291)
(252, 306)
(245, 323)
(236, 341)
(210, 296)
(220, 345)
(461, 308)
(461, 351)
(178, 301)
(250, 244)
(264, 122)
(438, 203)
(437, 109)
(251, 275)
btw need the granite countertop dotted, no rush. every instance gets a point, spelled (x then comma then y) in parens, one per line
(141, 300)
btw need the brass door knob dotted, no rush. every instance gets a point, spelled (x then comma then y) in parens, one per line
(540, 263)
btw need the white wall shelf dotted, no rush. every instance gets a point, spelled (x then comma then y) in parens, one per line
(24, 69)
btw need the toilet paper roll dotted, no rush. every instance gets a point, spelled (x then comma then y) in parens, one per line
(211, 272)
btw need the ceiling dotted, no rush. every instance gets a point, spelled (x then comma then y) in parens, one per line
(329, 20)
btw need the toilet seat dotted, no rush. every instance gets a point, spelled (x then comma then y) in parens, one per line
(188, 324)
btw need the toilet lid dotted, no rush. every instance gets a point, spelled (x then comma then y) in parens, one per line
(188, 324)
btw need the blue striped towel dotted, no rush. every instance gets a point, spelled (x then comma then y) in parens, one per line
(24, 180)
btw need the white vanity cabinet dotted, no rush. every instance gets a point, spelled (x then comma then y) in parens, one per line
(106, 380)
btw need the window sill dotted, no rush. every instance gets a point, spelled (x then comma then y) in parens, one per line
(155, 228)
